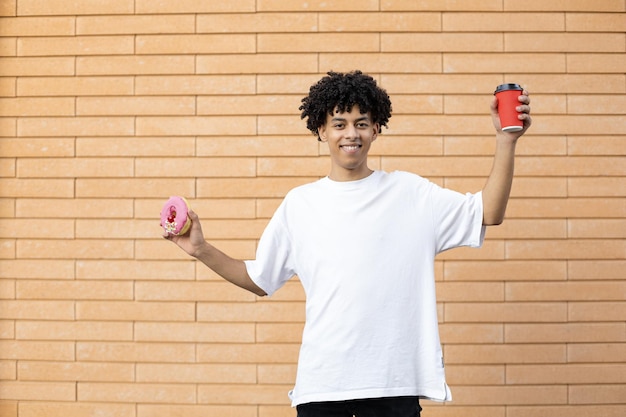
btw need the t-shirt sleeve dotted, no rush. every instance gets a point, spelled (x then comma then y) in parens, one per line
(273, 265)
(458, 219)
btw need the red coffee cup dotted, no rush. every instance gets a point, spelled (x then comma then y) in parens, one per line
(507, 102)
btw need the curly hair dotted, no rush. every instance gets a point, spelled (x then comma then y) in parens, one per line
(340, 92)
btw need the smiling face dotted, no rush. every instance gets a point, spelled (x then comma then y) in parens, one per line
(349, 136)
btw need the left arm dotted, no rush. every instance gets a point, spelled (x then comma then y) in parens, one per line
(498, 186)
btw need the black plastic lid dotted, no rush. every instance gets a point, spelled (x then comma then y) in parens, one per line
(504, 87)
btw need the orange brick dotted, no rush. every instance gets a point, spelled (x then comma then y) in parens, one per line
(248, 187)
(197, 373)
(74, 86)
(597, 311)
(75, 409)
(256, 104)
(563, 333)
(8, 47)
(144, 270)
(192, 126)
(380, 22)
(475, 291)
(61, 7)
(258, 146)
(598, 393)
(573, 83)
(277, 374)
(506, 271)
(519, 394)
(505, 62)
(37, 350)
(192, 6)
(102, 351)
(441, 42)
(596, 352)
(611, 410)
(584, 5)
(509, 312)
(257, 22)
(574, 248)
(195, 167)
(74, 249)
(381, 62)
(114, 106)
(37, 309)
(137, 311)
(137, 65)
(37, 228)
(75, 45)
(46, 188)
(8, 8)
(602, 63)
(599, 228)
(195, 44)
(195, 332)
(7, 86)
(74, 290)
(146, 410)
(135, 392)
(315, 5)
(596, 269)
(457, 333)
(310, 167)
(249, 312)
(73, 208)
(75, 167)
(596, 22)
(75, 126)
(410, 5)
(94, 330)
(248, 353)
(74, 371)
(243, 394)
(133, 188)
(38, 391)
(37, 147)
(128, 146)
(196, 84)
(279, 333)
(44, 269)
(503, 22)
(255, 63)
(134, 24)
(475, 375)
(191, 291)
(36, 66)
(335, 42)
(563, 42)
(505, 353)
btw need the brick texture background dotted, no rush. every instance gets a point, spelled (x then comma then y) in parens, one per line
(109, 107)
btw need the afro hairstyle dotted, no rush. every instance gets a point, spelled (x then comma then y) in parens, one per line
(340, 92)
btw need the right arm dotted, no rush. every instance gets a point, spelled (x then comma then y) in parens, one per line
(232, 270)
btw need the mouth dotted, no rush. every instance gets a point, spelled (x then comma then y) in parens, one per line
(351, 148)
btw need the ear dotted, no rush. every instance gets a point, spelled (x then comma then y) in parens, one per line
(376, 131)
(321, 133)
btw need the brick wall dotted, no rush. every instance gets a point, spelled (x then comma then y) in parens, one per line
(109, 107)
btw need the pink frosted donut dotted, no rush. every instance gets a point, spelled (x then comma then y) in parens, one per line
(174, 216)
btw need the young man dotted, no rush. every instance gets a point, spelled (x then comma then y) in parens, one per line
(363, 244)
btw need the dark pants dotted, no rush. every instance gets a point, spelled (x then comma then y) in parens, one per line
(372, 407)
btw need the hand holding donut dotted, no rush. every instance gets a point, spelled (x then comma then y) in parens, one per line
(181, 225)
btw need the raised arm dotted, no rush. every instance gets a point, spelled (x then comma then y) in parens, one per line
(232, 270)
(498, 186)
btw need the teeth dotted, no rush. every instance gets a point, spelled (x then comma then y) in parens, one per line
(351, 147)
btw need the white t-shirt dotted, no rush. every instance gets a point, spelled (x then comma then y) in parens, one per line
(364, 251)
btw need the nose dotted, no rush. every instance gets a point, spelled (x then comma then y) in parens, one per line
(351, 132)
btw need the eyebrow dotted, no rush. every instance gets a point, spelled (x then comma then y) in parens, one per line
(343, 119)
